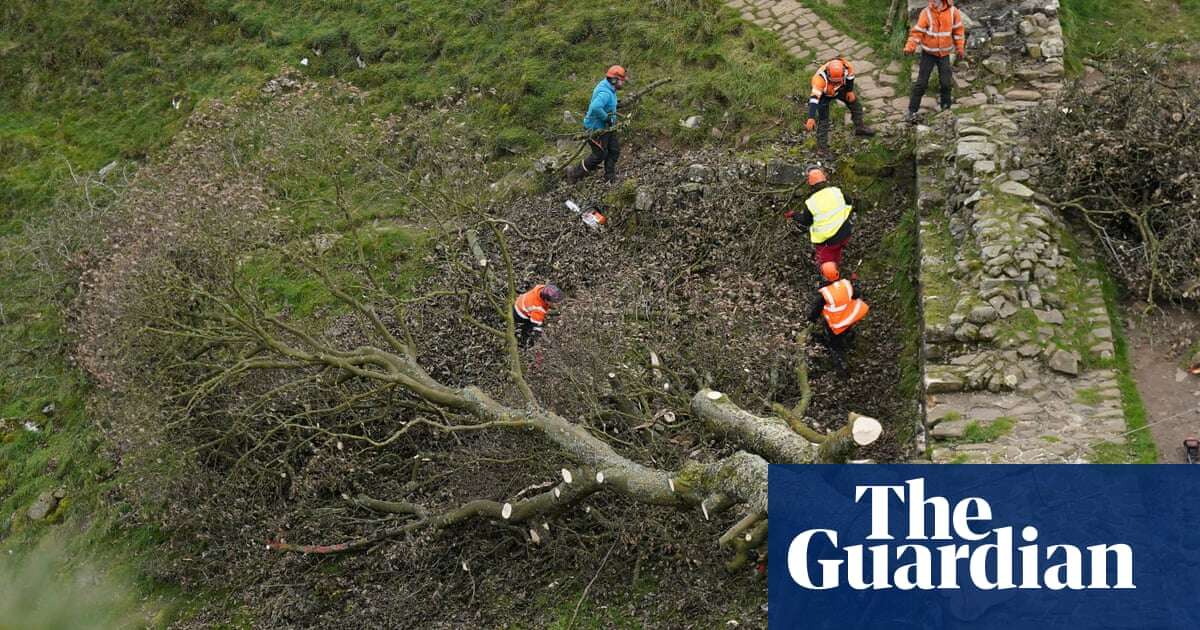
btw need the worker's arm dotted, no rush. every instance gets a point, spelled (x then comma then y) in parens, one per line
(959, 32)
(814, 99)
(856, 288)
(915, 35)
(598, 108)
(818, 305)
(803, 218)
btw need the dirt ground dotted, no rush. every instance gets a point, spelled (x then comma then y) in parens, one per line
(1160, 350)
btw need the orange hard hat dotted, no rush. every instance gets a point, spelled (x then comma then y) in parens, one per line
(829, 271)
(836, 70)
(616, 72)
(816, 175)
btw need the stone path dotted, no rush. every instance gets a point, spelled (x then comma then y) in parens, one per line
(1018, 342)
(807, 36)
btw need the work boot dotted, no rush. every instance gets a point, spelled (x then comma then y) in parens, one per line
(860, 123)
(911, 118)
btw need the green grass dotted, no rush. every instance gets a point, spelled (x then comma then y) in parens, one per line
(1093, 28)
(1052, 439)
(1088, 396)
(1140, 447)
(977, 433)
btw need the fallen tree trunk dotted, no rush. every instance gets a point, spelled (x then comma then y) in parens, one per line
(774, 438)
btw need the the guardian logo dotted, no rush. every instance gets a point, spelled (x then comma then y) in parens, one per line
(975, 554)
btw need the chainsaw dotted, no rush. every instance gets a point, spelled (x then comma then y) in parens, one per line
(1192, 446)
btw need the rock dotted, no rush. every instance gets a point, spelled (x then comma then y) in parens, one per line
(1023, 95)
(989, 332)
(568, 117)
(943, 383)
(1034, 294)
(967, 332)
(699, 173)
(45, 504)
(983, 314)
(1008, 310)
(691, 188)
(1102, 333)
(322, 243)
(1033, 50)
(996, 66)
(1064, 362)
(1053, 47)
(949, 429)
(985, 167)
(780, 173)
(1017, 189)
(107, 169)
(716, 133)
(1054, 317)
(692, 122)
(644, 202)
(1029, 350)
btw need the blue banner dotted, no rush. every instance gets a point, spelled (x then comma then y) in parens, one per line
(984, 547)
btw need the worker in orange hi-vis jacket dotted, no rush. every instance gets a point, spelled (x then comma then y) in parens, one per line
(938, 33)
(834, 81)
(842, 306)
(529, 311)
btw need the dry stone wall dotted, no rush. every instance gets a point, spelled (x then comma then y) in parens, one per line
(1018, 342)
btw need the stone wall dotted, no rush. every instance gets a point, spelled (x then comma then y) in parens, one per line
(1018, 352)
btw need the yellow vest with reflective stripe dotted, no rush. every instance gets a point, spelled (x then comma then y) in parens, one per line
(829, 211)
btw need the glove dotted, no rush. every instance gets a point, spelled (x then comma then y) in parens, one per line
(851, 97)
(789, 214)
(910, 48)
(811, 124)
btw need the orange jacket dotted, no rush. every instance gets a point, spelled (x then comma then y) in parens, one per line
(822, 86)
(531, 306)
(842, 310)
(939, 30)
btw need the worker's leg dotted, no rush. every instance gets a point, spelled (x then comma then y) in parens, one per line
(596, 157)
(524, 329)
(612, 152)
(840, 346)
(829, 252)
(946, 81)
(823, 124)
(924, 70)
(858, 116)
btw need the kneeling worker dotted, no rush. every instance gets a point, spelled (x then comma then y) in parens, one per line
(827, 216)
(834, 80)
(529, 311)
(841, 305)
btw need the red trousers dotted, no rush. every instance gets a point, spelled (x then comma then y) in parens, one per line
(829, 252)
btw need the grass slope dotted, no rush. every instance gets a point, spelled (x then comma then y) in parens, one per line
(98, 80)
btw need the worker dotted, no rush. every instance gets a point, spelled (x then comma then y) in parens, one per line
(939, 32)
(828, 217)
(842, 306)
(529, 311)
(834, 80)
(601, 115)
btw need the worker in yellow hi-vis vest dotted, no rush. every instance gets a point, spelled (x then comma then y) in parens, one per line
(828, 217)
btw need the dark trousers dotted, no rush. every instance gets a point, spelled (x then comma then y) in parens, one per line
(839, 347)
(605, 149)
(823, 124)
(527, 331)
(924, 71)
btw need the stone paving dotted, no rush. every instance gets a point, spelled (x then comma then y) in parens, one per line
(807, 36)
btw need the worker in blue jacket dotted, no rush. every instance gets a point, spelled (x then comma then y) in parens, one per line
(601, 115)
